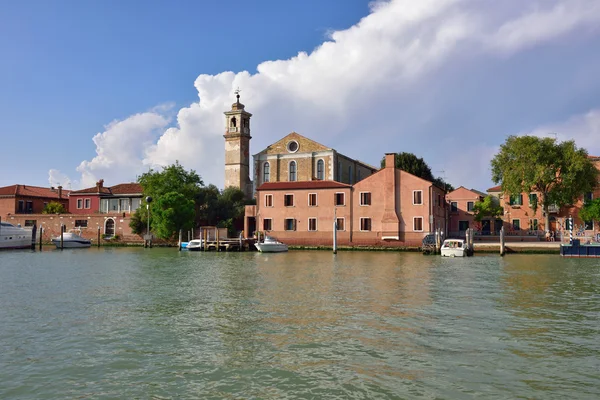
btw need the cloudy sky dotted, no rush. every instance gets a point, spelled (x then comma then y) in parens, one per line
(111, 89)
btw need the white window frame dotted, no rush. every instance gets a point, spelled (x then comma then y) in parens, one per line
(361, 199)
(316, 200)
(271, 227)
(472, 205)
(79, 204)
(335, 199)
(422, 224)
(413, 198)
(316, 226)
(271, 197)
(344, 222)
(370, 224)
(293, 199)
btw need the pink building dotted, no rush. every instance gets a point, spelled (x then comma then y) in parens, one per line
(389, 208)
(460, 218)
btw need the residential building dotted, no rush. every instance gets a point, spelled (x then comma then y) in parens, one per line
(27, 199)
(461, 203)
(389, 208)
(124, 198)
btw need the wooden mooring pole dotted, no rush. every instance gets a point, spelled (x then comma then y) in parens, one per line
(179, 244)
(41, 233)
(98, 240)
(502, 249)
(61, 236)
(334, 231)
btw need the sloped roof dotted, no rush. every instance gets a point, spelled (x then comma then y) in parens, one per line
(127, 188)
(495, 189)
(303, 185)
(32, 191)
(122, 188)
(92, 190)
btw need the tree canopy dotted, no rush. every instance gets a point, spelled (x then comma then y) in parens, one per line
(558, 172)
(590, 211)
(54, 207)
(488, 208)
(417, 166)
(174, 192)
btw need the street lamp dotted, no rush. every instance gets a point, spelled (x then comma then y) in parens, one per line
(148, 201)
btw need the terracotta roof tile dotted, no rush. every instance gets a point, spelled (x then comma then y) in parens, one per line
(32, 191)
(303, 185)
(495, 189)
(127, 188)
(92, 190)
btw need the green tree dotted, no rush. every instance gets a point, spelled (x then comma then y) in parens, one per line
(207, 205)
(173, 178)
(558, 172)
(590, 211)
(172, 212)
(488, 208)
(163, 185)
(417, 166)
(54, 207)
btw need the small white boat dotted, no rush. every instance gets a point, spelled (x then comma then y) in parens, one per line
(454, 248)
(14, 237)
(72, 240)
(271, 245)
(194, 245)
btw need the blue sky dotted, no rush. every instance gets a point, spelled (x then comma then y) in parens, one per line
(108, 89)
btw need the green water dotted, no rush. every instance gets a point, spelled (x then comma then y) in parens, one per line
(160, 324)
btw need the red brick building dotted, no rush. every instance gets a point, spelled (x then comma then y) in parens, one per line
(389, 208)
(26, 199)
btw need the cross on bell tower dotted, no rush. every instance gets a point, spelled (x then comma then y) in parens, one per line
(237, 147)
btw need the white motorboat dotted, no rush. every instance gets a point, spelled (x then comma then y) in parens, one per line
(271, 245)
(72, 240)
(194, 245)
(454, 248)
(14, 237)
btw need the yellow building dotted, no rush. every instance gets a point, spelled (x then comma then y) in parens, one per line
(297, 158)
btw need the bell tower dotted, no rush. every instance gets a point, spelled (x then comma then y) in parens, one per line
(237, 147)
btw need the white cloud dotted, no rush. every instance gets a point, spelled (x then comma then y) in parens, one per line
(584, 129)
(404, 78)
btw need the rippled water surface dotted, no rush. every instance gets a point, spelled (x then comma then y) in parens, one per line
(157, 323)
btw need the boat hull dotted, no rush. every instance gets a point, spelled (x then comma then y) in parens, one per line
(271, 247)
(14, 237)
(72, 244)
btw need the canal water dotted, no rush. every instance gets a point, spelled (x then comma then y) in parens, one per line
(126, 323)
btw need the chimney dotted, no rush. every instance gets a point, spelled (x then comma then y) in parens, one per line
(60, 192)
(390, 160)
(100, 184)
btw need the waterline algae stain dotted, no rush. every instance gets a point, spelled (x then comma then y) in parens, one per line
(135, 323)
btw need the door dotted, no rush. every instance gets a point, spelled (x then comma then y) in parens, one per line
(109, 228)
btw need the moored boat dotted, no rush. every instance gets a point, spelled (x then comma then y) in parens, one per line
(72, 240)
(14, 237)
(454, 248)
(194, 245)
(271, 245)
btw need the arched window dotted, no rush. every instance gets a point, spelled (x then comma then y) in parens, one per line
(320, 170)
(233, 122)
(266, 172)
(292, 171)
